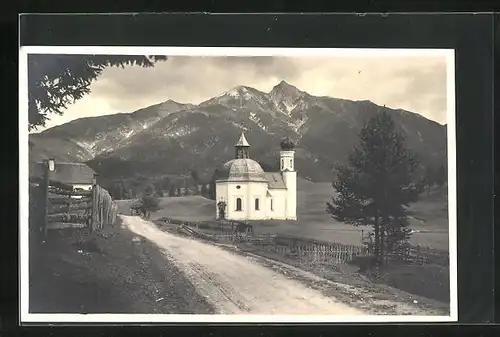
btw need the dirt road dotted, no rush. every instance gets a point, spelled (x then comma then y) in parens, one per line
(235, 284)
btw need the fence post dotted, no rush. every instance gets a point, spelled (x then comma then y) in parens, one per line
(101, 208)
(70, 195)
(93, 216)
(45, 186)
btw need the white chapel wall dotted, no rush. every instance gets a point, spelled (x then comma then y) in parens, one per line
(247, 192)
(279, 204)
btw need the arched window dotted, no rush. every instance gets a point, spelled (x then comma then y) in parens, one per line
(238, 204)
(257, 204)
(291, 165)
(282, 164)
(272, 205)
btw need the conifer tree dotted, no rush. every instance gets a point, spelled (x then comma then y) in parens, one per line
(377, 184)
(55, 81)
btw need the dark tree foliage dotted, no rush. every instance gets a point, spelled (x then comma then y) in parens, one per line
(117, 191)
(429, 178)
(195, 176)
(55, 81)
(187, 190)
(148, 202)
(211, 186)
(149, 190)
(165, 183)
(159, 188)
(441, 176)
(377, 184)
(205, 190)
(172, 191)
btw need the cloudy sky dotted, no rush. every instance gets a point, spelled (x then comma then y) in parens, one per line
(417, 84)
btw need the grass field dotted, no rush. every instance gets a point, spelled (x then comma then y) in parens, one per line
(428, 216)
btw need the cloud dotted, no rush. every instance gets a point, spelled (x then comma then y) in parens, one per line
(427, 84)
(417, 84)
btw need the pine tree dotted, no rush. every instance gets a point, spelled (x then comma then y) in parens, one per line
(377, 184)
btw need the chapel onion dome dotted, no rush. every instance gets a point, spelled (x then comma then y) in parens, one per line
(287, 144)
(242, 169)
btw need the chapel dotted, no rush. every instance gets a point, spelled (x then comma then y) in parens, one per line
(244, 191)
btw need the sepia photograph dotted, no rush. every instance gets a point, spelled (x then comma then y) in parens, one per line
(169, 184)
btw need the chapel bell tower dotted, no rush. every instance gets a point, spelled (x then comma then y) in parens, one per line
(287, 168)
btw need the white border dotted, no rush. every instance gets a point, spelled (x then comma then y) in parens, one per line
(26, 317)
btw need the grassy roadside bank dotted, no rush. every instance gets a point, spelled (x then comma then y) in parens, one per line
(109, 272)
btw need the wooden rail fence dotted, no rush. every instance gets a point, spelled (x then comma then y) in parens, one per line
(308, 249)
(316, 251)
(57, 205)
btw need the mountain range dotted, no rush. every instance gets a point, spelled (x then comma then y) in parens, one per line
(173, 138)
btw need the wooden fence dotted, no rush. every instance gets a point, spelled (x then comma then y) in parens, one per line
(104, 209)
(409, 253)
(298, 248)
(56, 205)
(308, 249)
(316, 251)
(66, 207)
(419, 255)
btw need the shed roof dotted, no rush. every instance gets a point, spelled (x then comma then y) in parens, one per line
(275, 180)
(68, 173)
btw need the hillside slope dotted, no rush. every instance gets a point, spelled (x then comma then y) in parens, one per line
(174, 138)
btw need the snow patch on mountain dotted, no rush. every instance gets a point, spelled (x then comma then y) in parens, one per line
(88, 146)
(289, 106)
(242, 96)
(180, 132)
(241, 92)
(298, 123)
(239, 126)
(254, 118)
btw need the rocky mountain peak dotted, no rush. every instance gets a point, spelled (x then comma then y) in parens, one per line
(285, 88)
(285, 96)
